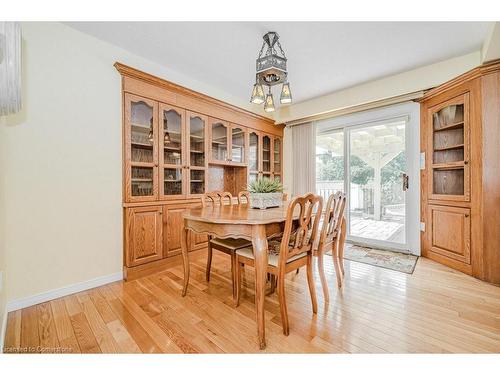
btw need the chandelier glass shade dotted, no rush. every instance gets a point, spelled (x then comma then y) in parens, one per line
(269, 104)
(10, 68)
(257, 94)
(271, 71)
(286, 94)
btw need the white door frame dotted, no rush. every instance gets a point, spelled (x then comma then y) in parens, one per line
(411, 112)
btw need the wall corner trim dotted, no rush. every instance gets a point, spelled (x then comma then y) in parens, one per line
(21, 303)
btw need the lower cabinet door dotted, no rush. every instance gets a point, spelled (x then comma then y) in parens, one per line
(450, 232)
(199, 241)
(172, 230)
(143, 235)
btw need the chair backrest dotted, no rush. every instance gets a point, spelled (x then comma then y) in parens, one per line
(332, 219)
(298, 238)
(225, 197)
(244, 197)
(216, 198)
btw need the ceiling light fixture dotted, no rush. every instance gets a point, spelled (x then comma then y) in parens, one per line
(271, 71)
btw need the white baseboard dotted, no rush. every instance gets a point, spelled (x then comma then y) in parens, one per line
(3, 329)
(21, 303)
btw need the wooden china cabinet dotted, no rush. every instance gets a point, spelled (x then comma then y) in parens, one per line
(179, 144)
(265, 156)
(460, 201)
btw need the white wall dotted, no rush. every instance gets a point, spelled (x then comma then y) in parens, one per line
(61, 158)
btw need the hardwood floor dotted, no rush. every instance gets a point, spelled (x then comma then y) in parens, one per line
(435, 310)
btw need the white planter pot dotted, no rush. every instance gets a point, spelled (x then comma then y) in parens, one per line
(266, 200)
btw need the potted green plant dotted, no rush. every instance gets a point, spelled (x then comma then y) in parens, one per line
(266, 193)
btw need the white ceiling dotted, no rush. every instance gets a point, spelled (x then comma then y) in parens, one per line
(322, 56)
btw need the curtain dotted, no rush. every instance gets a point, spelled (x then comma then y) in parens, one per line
(303, 158)
(10, 67)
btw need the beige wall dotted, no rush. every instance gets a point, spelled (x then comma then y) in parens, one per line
(388, 87)
(3, 297)
(61, 180)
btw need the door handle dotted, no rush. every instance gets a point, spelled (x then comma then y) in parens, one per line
(405, 181)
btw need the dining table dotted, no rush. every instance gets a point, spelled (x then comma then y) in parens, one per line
(238, 221)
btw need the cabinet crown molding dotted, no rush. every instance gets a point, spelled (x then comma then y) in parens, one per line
(128, 71)
(457, 81)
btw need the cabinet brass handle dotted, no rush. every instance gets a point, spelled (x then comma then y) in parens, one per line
(466, 215)
(466, 162)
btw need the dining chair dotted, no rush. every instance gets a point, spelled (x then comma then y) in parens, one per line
(244, 197)
(332, 234)
(225, 245)
(292, 251)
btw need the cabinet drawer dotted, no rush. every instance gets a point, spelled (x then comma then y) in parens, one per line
(449, 232)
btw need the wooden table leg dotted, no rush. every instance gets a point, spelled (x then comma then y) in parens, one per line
(185, 259)
(259, 242)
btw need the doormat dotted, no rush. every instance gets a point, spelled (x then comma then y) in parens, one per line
(381, 258)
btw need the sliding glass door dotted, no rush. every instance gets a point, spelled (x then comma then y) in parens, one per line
(377, 170)
(330, 163)
(369, 163)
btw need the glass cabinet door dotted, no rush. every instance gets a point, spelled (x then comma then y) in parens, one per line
(141, 149)
(219, 140)
(277, 158)
(253, 156)
(237, 144)
(449, 146)
(171, 140)
(266, 156)
(197, 130)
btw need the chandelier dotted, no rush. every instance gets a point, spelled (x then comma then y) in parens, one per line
(271, 71)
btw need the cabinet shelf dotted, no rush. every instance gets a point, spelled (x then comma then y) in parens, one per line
(141, 126)
(455, 125)
(170, 132)
(197, 152)
(454, 147)
(176, 181)
(142, 180)
(448, 166)
(148, 145)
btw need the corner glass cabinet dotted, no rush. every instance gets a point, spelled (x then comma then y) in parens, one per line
(449, 148)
